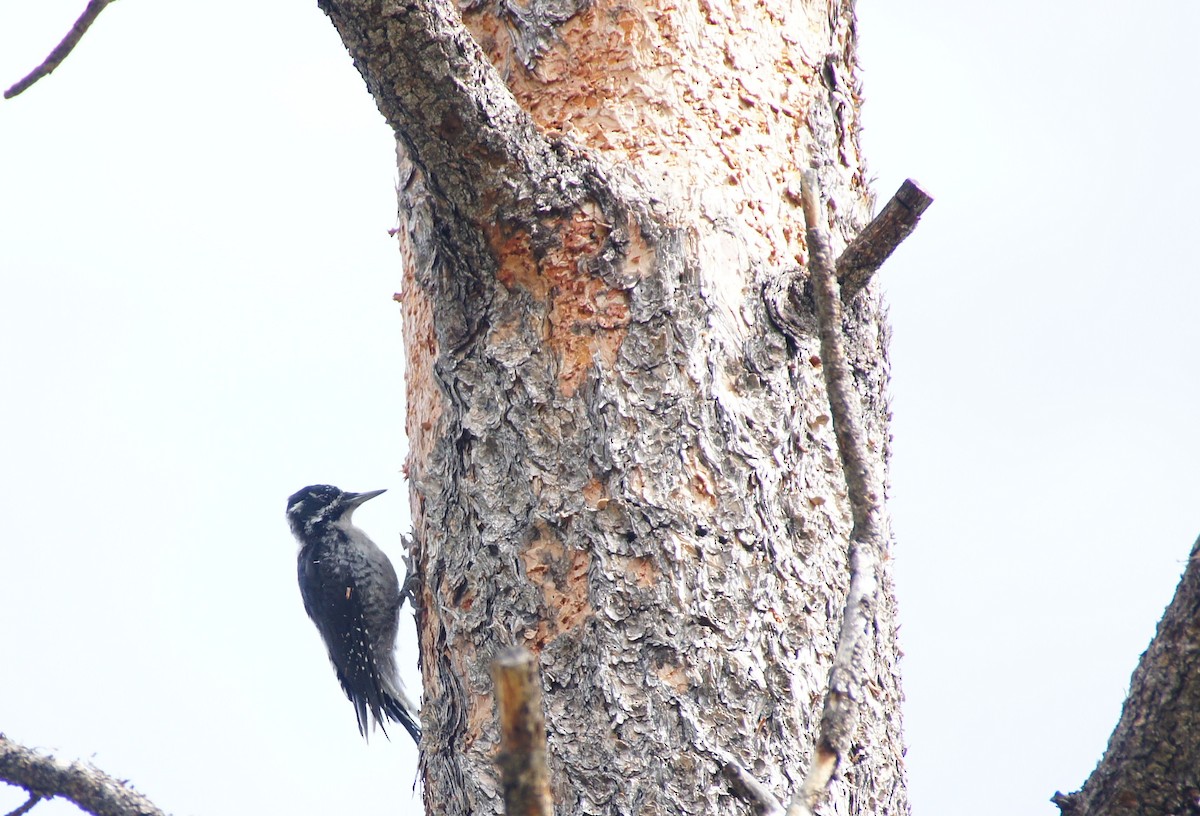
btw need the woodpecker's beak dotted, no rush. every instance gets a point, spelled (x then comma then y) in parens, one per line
(355, 499)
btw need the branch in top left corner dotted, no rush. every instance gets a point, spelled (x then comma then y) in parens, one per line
(60, 52)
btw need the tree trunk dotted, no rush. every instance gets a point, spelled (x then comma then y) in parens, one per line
(1152, 764)
(619, 458)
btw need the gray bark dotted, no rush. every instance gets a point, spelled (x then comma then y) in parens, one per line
(45, 777)
(618, 459)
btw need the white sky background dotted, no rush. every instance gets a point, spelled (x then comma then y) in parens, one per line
(197, 321)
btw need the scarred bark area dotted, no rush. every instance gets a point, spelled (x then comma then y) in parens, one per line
(705, 103)
(1152, 764)
(617, 459)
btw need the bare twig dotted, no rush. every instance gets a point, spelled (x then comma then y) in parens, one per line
(90, 788)
(879, 239)
(522, 758)
(846, 675)
(751, 790)
(862, 483)
(60, 52)
(28, 806)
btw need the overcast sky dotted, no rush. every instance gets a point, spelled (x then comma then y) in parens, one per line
(197, 320)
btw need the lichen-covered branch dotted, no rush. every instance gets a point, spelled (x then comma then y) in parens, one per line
(862, 481)
(846, 676)
(522, 758)
(90, 788)
(63, 49)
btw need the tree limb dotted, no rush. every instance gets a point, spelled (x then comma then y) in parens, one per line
(1151, 760)
(846, 675)
(862, 482)
(60, 52)
(90, 788)
(785, 297)
(522, 757)
(435, 87)
(879, 239)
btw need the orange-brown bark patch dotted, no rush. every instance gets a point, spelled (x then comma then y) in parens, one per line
(562, 577)
(674, 676)
(595, 495)
(421, 349)
(518, 267)
(643, 571)
(689, 97)
(586, 317)
(481, 714)
(701, 490)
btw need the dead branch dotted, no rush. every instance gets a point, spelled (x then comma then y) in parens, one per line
(847, 675)
(90, 788)
(27, 806)
(879, 239)
(60, 52)
(785, 297)
(522, 758)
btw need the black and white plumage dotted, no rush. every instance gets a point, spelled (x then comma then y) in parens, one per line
(351, 592)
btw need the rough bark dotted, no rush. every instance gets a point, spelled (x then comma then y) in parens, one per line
(45, 777)
(1152, 764)
(618, 460)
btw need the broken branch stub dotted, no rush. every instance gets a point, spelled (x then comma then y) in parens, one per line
(525, 776)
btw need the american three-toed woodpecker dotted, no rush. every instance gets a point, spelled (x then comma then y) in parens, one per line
(351, 592)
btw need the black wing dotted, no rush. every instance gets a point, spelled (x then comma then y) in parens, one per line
(335, 606)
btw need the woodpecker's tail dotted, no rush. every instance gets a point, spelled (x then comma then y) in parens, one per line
(397, 710)
(381, 699)
(395, 703)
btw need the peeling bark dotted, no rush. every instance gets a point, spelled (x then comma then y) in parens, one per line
(618, 460)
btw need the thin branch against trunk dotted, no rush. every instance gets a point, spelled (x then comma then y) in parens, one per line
(90, 788)
(64, 48)
(879, 239)
(1151, 762)
(522, 757)
(846, 676)
(862, 481)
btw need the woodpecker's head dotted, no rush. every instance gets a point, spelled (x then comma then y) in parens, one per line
(317, 506)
